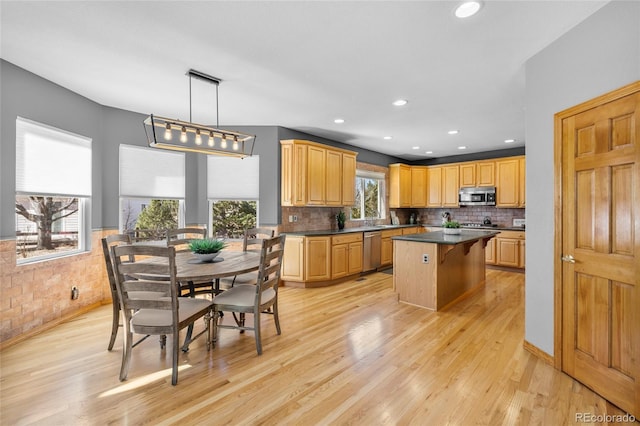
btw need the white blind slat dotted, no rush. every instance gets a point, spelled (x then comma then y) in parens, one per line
(151, 173)
(230, 178)
(51, 161)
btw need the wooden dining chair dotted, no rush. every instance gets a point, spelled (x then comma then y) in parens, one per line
(254, 299)
(155, 272)
(181, 237)
(252, 240)
(108, 242)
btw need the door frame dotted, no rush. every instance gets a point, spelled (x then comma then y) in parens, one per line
(558, 229)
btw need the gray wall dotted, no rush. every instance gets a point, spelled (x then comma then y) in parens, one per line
(600, 54)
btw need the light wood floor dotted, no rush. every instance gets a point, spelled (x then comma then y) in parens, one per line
(348, 354)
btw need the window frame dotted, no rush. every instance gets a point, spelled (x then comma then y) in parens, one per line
(362, 176)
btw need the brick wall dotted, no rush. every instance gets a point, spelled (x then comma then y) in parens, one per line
(36, 296)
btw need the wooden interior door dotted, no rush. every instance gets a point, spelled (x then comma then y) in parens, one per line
(601, 247)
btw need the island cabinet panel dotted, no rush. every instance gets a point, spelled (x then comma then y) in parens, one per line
(418, 186)
(348, 179)
(313, 174)
(316, 182)
(317, 258)
(293, 259)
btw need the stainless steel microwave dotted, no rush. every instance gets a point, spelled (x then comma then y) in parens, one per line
(480, 196)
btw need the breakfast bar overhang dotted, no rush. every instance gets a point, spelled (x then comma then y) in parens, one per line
(433, 269)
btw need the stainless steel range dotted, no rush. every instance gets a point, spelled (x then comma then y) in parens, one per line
(478, 225)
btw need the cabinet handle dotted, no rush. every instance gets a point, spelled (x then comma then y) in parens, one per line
(569, 259)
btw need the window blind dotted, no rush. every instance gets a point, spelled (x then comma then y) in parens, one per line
(151, 173)
(51, 161)
(230, 178)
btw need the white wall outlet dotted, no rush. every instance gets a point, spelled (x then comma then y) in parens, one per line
(425, 258)
(290, 218)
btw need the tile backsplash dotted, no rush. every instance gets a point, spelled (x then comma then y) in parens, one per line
(499, 216)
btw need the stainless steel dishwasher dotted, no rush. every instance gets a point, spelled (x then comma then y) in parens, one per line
(371, 250)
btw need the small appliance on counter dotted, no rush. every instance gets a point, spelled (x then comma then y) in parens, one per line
(486, 221)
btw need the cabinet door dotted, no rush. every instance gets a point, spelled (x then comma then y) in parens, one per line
(508, 253)
(333, 178)
(317, 258)
(299, 172)
(468, 174)
(400, 185)
(339, 261)
(355, 258)
(286, 175)
(490, 252)
(386, 254)
(293, 259)
(418, 186)
(507, 183)
(522, 253)
(486, 173)
(523, 182)
(316, 170)
(434, 185)
(348, 179)
(450, 187)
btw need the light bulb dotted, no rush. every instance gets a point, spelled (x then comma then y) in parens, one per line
(167, 132)
(223, 142)
(198, 137)
(212, 141)
(235, 144)
(183, 135)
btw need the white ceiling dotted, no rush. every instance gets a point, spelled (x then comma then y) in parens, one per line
(301, 64)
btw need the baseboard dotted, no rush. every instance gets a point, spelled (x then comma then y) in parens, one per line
(539, 353)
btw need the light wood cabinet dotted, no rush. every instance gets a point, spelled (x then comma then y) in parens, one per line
(490, 252)
(346, 254)
(399, 185)
(510, 182)
(386, 247)
(522, 196)
(468, 174)
(477, 173)
(313, 174)
(434, 187)
(418, 186)
(317, 258)
(509, 249)
(450, 186)
(522, 254)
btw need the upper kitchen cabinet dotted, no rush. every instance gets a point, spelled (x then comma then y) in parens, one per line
(418, 186)
(316, 175)
(510, 183)
(477, 173)
(443, 186)
(399, 185)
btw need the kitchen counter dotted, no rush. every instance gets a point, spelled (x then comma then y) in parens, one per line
(498, 227)
(434, 270)
(348, 230)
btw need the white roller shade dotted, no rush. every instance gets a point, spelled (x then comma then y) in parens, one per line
(151, 173)
(230, 178)
(51, 161)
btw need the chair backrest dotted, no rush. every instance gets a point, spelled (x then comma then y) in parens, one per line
(270, 265)
(147, 234)
(108, 242)
(154, 269)
(181, 237)
(255, 236)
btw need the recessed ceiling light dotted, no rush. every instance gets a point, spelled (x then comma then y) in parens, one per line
(339, 120)
(400, 102)
(415, 147)
(462, 147)
(467, 9)
(388, 137)
(428, 152)
(453, 132)
(509, 140)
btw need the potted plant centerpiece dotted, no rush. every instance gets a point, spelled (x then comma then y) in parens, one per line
(341, 217)
(206, 249)
(451, 227)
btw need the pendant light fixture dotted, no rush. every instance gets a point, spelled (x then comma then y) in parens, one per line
(176, 135)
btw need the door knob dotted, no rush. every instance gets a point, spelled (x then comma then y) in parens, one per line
(568, 259)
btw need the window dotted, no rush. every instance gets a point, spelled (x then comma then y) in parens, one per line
(370, 195)
(152, 191)
(53, 192)
(233, 192)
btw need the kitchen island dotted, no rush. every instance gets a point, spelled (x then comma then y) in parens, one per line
(433, 269)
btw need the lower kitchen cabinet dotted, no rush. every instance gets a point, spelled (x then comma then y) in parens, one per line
(317, 258)
(386, 246)
(346, 255)
(506, 249)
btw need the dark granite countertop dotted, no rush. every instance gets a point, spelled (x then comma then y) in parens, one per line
(498, 227)
(348, 230)
(439, 237)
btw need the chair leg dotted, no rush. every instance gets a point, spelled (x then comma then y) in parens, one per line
(176, 354)
(207, 326)
(126, 353)
(276, 318)
(256, 331)
(214, 325)
(115, 324)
